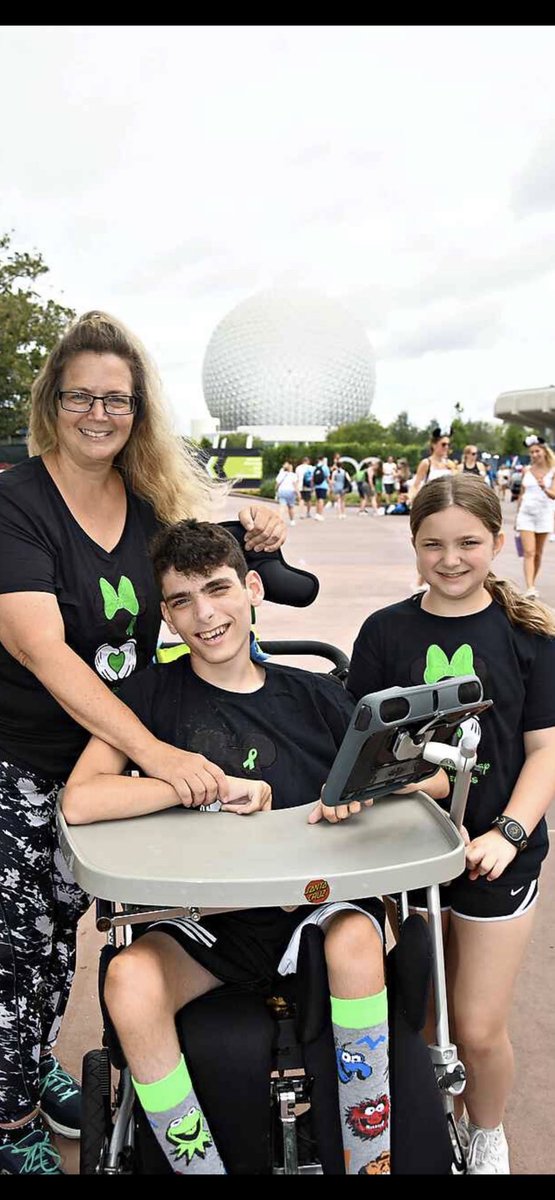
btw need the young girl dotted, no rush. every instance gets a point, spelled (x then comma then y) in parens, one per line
(470, 622)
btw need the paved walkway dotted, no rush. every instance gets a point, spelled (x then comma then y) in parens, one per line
(364, 563)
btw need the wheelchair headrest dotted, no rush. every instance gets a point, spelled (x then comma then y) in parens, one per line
(283, 584)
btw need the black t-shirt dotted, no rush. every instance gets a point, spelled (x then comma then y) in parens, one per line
(403, 645)
(287, 732)
(109, 601)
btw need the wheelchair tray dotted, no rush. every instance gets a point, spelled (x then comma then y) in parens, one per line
(182, 857)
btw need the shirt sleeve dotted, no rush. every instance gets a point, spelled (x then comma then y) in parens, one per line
(539, 707)
(366, 672)
(27, 561)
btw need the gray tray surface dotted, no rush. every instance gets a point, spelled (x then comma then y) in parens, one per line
(214, 859)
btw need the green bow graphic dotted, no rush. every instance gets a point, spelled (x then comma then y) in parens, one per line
(438, 666)
(124, 598)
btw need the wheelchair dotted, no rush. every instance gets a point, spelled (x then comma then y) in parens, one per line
(273, 1108)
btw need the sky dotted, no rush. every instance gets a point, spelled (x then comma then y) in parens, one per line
(168, 173)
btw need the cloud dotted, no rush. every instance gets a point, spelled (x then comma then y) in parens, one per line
(476, 326)
(534, 186)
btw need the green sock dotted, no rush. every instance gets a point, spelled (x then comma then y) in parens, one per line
(178, 1123)
(361, 1045)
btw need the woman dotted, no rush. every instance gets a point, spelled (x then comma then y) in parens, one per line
(534, 512)
(469, 464)
(79, 611)
(340, 485)
(434, 466)
(287, 490)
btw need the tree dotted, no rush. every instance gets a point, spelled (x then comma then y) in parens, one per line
(402, 431)
(29, 328)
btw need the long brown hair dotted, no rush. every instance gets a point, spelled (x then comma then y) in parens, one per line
(475, 497)
(155, 462)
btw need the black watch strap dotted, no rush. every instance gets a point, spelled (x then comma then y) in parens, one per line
(512, 830)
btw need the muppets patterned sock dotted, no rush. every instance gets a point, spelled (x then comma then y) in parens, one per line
(178, 1123)
(361, 1044)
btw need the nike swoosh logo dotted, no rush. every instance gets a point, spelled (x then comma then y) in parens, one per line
(515, 891)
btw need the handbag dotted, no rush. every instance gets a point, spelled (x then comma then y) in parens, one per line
(518, 545)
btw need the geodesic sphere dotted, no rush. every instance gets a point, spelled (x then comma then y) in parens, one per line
(288, 358)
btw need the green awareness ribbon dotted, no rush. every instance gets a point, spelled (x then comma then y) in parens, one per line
(250, 760)
(438, 666)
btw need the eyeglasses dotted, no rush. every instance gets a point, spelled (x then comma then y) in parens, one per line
(472, 453)
(445, 443)
(114, 404)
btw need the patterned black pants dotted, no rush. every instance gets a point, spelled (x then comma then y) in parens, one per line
(40, 905)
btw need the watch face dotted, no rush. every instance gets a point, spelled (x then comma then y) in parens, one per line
(513, 831)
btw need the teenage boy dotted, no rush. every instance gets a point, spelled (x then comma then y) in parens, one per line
(247, 716)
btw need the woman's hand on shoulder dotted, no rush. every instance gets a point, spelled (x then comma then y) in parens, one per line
(489, 855)
(247, 796)
(264, 527)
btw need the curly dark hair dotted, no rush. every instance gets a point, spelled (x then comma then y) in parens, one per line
(196, 548)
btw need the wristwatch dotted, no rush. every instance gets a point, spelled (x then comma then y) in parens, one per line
(513, 831)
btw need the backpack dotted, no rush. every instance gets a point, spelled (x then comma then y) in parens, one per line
(307, 478)
(318, 476)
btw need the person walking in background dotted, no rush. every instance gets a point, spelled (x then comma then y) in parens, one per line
(378, 487)
(434, 466)
(469, 464)
(535, 508)
(340, 482)
(364, 479)
(502, 481)
(287, 490)
(471, 617)
(320, 480)
(304, 472)
(390, 480)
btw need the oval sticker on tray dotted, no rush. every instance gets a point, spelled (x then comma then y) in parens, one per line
(316, 891)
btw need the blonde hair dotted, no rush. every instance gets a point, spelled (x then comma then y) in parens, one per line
(155, 462)
(550, 456)
(468, 492)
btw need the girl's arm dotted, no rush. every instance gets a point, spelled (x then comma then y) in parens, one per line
(491, 853)
(32, 631)
(420, 473)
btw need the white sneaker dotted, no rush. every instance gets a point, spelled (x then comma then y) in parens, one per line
(318, 517)
(292, 522)
(463, 1132)
(488, 1152)
(531, 593)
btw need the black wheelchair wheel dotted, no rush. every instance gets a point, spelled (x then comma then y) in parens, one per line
(96, 1121)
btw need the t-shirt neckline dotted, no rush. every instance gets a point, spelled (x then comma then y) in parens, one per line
(83, 532)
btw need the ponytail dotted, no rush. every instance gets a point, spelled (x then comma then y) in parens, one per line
(523, 611)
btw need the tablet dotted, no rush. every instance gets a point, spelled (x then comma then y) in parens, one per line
(382, 748)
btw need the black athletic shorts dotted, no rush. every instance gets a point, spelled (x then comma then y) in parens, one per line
(246, 947)
(481, 899)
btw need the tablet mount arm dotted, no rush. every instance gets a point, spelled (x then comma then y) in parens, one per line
(461, 757)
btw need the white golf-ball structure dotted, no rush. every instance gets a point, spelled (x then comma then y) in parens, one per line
(288, 358)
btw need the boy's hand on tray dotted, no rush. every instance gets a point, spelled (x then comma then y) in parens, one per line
(340, 813)
(246, 796)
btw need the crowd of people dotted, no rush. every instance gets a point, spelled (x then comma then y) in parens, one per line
(98, 541)
(388, 486)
